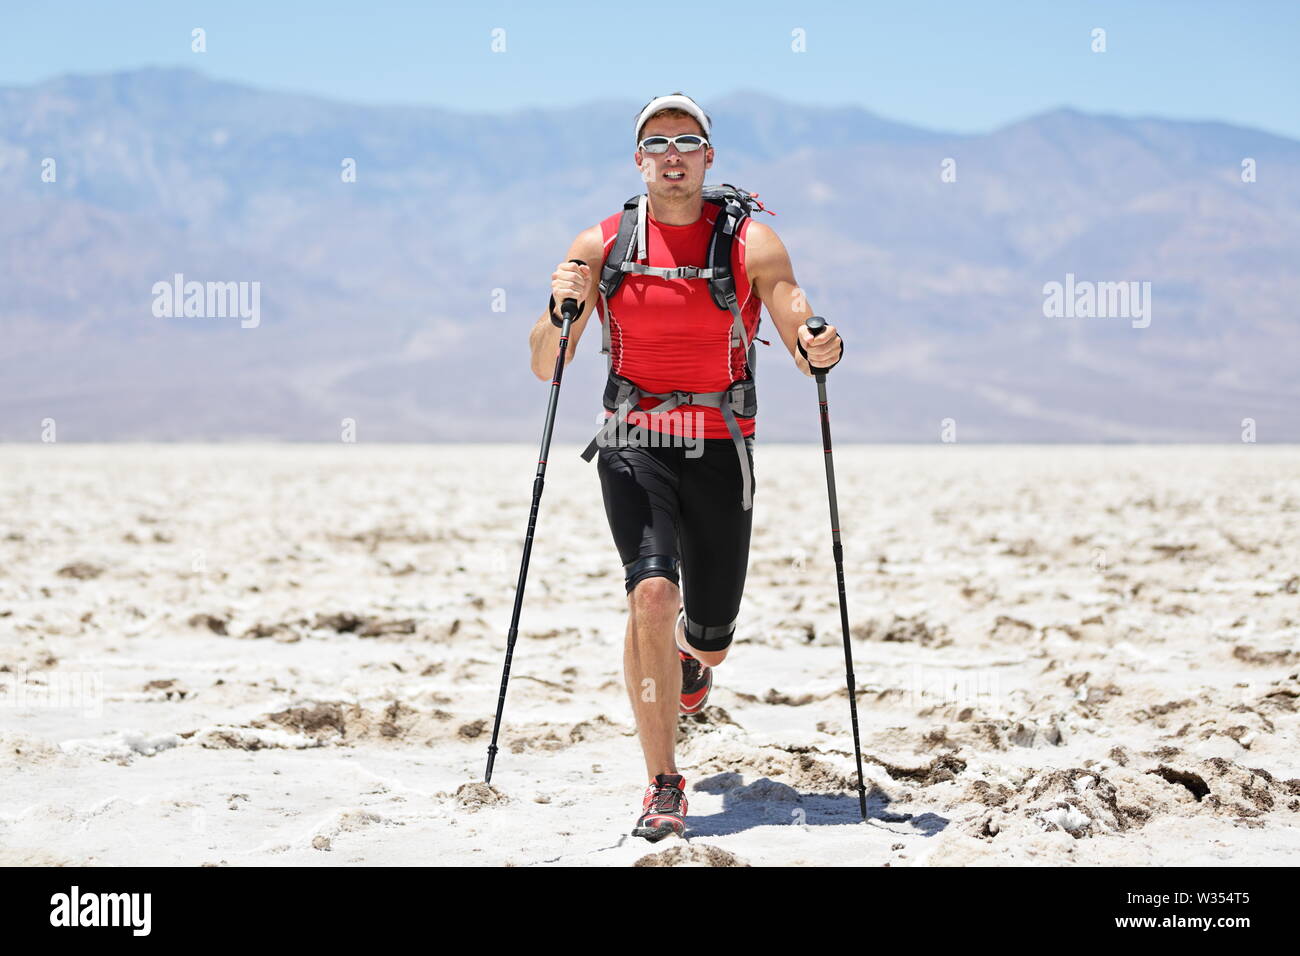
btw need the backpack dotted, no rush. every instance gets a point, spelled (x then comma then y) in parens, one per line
(625, 255)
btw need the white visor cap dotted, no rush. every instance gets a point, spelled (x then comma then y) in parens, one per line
(678, 100)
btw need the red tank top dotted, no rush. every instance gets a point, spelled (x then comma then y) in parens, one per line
(668, 334)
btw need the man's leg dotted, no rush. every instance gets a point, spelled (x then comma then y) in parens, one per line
(652, 670)
(640, 491)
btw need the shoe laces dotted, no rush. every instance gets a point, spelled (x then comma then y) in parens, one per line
(665, 799)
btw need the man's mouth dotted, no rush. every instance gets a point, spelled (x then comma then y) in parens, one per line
(675, 175)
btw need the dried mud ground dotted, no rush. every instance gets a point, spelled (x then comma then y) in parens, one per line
(289, 655)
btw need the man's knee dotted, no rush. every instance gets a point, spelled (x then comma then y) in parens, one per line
(655, 566)
(654, 597)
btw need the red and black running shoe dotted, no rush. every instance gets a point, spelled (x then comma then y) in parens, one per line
(663, 809)
(697, 679)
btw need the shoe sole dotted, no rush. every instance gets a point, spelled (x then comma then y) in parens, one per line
(685, 711)
(655, 834)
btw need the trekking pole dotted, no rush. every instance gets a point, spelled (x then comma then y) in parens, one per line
(568, 310)
(817, 325)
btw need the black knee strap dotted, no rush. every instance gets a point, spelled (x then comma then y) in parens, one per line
(709, 637)
(662, 565)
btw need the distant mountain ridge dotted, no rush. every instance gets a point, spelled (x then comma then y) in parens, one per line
(371, 290)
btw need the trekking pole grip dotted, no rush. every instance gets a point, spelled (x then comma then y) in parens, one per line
(569, 307)
(816, 326)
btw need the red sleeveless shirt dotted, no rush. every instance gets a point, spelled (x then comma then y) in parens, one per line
(669, 334)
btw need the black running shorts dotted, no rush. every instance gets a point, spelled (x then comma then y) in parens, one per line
(685, 512)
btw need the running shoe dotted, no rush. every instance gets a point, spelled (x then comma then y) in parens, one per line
(697, 680)
(663, 809)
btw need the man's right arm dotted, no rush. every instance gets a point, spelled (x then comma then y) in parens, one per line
(544, 339)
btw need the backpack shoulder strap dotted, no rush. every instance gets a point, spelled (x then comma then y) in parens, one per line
(722, 282)
(630, 225)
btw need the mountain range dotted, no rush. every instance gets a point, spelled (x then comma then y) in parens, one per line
(380, 298)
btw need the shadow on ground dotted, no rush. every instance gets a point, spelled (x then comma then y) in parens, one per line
(767, 802)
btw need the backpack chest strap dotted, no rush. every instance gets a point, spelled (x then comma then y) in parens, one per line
(678, 272)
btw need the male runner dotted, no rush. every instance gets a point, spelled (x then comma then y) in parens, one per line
(671, 508)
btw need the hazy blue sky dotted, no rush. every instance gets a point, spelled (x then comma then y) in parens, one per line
(965, 66)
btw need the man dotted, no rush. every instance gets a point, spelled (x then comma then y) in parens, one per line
(669, 509)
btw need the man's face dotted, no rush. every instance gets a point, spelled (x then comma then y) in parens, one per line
(655, 166)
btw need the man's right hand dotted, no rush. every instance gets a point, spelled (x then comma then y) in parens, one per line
(569, 281)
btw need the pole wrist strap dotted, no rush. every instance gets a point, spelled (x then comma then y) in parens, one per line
(558, 321)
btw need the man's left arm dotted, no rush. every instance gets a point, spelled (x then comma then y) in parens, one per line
(768, 266)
